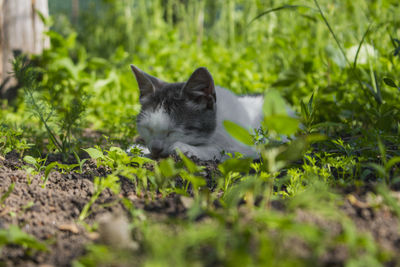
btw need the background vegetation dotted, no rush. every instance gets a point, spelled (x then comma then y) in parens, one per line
(335, 62)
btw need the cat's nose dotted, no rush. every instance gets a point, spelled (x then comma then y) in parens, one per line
(156, 148)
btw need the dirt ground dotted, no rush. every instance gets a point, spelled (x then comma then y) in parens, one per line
(51, 214)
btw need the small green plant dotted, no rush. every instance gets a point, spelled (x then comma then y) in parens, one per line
(59, 119)
(190, 175)
(15, 236)
(66, 168)
(100, 184)
(389, 200)
(99, 254)
(80, 162)
(39, 165)
(6, 194)
(384, 169)
(12, 139)
(97, 154)
(307, 114)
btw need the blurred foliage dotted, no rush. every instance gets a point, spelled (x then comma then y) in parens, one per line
(15, 236)
(335, 62)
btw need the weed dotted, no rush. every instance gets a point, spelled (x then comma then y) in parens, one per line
(12, 140)
(46, 110)
(6, 194)
(100, 184)
(39, 165)
(15, 236)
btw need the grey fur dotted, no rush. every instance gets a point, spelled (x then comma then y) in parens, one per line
(185, 116)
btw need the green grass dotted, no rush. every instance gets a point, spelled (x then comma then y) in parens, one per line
(334, 62)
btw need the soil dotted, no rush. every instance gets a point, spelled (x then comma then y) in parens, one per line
(51, 214)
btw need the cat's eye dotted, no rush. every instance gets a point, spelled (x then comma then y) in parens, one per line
(150, 130)
(191, 128)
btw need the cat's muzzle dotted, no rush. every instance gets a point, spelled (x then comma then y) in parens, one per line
(156, 148)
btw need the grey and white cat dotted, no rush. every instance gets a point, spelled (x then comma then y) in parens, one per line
(188, 116)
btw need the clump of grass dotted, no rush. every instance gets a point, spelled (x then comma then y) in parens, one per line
(12, 139)
(15, 236)
(59, 121)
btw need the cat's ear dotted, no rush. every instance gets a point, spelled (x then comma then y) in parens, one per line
(147, 83)
(200, 88)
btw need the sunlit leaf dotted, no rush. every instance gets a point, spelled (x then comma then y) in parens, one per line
(235, 165)
(238, 132)
(274, 104)
(15, 236)
(393, 161)
(94, 153)
(304, 111)
(167, 167)
(310, 104)
(190, 165)
(30, 160)
(49, 168)
(281, 124)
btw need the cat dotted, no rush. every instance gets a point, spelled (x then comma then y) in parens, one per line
(188, 116)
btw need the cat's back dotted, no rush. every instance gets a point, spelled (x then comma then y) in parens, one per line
(244, 110)
(234, 108)
(229, 107)
(253, 106)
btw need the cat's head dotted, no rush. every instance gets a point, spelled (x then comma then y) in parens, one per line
(175, 112)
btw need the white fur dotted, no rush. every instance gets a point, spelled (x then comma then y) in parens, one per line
(253, 106)
(158, 120)
(245, 111)
(157, 125)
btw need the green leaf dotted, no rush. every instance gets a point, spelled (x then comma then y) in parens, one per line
(235, 165)
(94, 153)
(15, 236)
(30, 160)
(378, 168)
(326, 124)
(295, 150)
(389, 199)
(390, 82)
(310, 104)
(304, 111)
(167, 167)
(236, 192)
(49, 168)
(238, 132)
(274, 104)
(197, 181)
(67, 64)
(190, 165)
(141, 160)
(7, 193)
(281, 124)
(117, 150)
(392, 162)
(111, 182)
(82, 162)
(313, 138)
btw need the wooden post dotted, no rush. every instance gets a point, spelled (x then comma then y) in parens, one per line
(21, 30)
(75, 11)
(1, 46)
